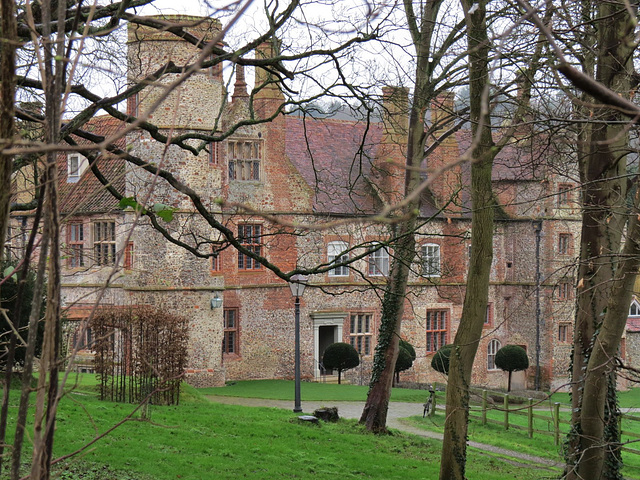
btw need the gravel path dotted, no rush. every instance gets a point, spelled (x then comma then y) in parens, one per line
(397, 411)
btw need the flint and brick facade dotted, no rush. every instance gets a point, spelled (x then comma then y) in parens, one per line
(331, 175)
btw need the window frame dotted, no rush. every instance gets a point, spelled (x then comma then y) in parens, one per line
(377, 258)
(634, 303)
(565, 289)
(492, 348)
(87, 341)
(75, 244)
(564, 243)
(361, 332)
(337, 253)
(252, 241)
(128, 257)
(426, 260)
(239, 166)
(488, 318)
(564, 332)
(564, 194)
(439, 336)
(104, 248)
(232, 333)
(74, 174)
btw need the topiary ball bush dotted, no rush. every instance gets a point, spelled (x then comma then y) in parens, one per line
(512, 358)
(404, 361)
(440, 360)
(406, 345)
(340, 356)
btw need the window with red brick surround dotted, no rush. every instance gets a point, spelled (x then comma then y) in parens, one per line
(250, 236)
(127, 262)
(437, 328)
(75, 244)
(104, 243)
(360, 326)
(492, 349)
(379, 261)
(565, 289)
(488, 318)
(231, 327)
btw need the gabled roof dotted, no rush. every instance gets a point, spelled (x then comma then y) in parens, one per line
(88, 195)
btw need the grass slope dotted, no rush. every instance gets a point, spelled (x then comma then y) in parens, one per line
(198, 439)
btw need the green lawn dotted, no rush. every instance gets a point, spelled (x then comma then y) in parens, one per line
(627, 399)
(198, 439)
(283, 390)
(542, 445)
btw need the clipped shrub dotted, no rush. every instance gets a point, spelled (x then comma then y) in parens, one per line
(406, 356)
(440, 360)
(409, 348)
(512, 358)
(340, 356)
(404, 361)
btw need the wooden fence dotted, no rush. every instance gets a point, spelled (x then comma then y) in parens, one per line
(532, 409)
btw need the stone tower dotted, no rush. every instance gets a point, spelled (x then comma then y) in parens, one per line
(197, 102)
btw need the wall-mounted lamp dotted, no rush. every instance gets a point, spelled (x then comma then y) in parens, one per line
(216, 301)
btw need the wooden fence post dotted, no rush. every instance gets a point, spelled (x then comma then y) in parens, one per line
(506, 411)
(432, 412)
(556, 423)
(484, 407)
(530, 412)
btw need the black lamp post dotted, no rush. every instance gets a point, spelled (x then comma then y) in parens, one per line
(537, 226)
(297, 285)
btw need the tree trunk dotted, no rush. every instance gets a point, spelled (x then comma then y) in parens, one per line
(374, 415)
(453, 459)
(603, 176)
(8, 34)
(602, 359)
(8, 45)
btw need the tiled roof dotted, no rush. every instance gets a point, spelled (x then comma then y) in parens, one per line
(334, 157)
(88, 195)
(633, 324)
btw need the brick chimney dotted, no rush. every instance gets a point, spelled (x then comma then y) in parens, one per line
(389, 166)
(446, 181)
(268, 97)
(240, 87)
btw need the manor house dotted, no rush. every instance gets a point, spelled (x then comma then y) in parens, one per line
(266, 183)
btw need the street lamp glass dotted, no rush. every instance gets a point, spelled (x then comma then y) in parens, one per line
(297, 284)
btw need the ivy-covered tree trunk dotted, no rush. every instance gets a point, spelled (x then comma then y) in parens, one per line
(7, 98)
(422, 29)
(453, 459)
(603, 170)
(374, 415)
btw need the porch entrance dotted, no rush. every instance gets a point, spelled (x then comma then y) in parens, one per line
(327, 329)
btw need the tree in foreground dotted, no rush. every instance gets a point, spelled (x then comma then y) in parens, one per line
(340, 356)
(512, 358)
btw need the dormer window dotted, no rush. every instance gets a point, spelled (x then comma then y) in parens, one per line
(76, 165)
(634, 309)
